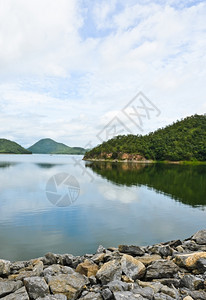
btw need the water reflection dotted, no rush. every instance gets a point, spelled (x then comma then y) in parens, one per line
(184, 183)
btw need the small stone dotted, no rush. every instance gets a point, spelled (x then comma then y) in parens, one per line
(201, 265)
(127, 279)
(36, 287)
(132, 250)
(117, 286)
(169, 291)
(180, 249)
(100, 249)
(107, 294)
(87, 268)
(156, 286)
(127, 296)
(188, 298)
(53, 297)
(50, 259)
(148, 259)
(92, 296)
(109, 271)
(99, 257)
(162, 296)
(132, 268)
(4, 267)
(146, 292)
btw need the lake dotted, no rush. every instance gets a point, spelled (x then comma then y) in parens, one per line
(61, 204)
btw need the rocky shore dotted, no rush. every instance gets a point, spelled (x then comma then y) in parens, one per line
(165, 271)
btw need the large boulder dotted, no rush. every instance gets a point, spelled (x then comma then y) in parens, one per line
(36, 287)
(189, 260)
(87, 268)
(132, 250)
(161, 269)
(7, 287)
(132, 268)
(200, 237)
(4, 267)
(109, 271)
(20, 294)
(70, 285)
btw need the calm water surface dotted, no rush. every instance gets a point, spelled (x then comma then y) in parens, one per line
(118, 203)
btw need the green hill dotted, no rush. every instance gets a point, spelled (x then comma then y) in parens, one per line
(9, 147)
(49, 146)
(183, 140)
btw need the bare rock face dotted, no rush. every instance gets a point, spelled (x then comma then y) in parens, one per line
(70, 285)
(109, 271)
(132, 268)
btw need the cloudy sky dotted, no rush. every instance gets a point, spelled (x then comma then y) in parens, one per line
(69, 67)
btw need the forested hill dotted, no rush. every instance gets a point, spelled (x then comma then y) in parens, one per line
(9, 147)
(183, 140)
(49, 146)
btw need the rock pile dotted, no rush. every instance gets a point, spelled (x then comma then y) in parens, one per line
(166, 271)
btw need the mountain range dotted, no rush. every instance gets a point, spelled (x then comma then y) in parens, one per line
(44, 146)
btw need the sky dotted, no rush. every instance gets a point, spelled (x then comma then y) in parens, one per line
(82, 71)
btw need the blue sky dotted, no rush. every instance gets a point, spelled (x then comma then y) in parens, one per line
(67, 68)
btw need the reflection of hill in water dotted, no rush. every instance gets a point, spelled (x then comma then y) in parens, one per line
(45, 165)
(6, 164)
(184, 183)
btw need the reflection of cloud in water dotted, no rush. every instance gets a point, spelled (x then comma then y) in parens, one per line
(119, 193)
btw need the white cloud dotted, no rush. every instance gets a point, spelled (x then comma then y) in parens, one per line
(58, 83)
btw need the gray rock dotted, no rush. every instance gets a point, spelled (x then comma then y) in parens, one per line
(146, 292)
(16, 266)
(92, 296)
(198, 295)
(68, 259)
(127, 296)
(70, 285)
(100, 249)
(132, 268)
(132, 250)
(118, 286)
(53, 297)
(20, 294)
(200, 237)
(36, 287)
(169, 291)
(49, 259)
(192, 282)
(170, 282)
(162, 296)
(54, 270)
(201, 265)
(4, 267)
(107, 294)
(7, 287)
(161, 269)
(109, 271)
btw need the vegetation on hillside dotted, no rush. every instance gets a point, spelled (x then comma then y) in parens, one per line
(49, 146)
(183, 140)
(9, 147)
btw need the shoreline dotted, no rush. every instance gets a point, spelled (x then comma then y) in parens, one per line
(164, 271)
(182, 162)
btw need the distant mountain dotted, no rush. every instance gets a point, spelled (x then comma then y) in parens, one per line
(49, 146)
(9, 147)
(183, 140)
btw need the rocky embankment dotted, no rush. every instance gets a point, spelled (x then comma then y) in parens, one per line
(166, 271)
